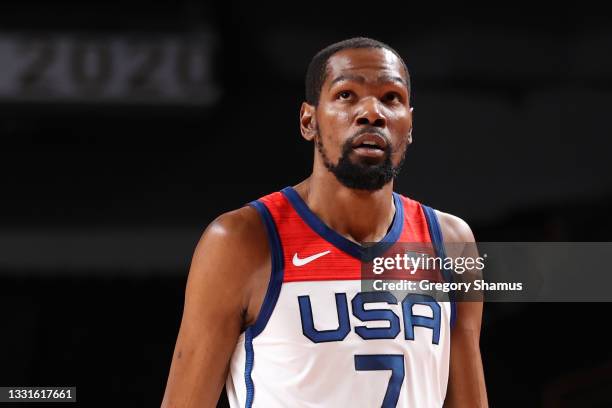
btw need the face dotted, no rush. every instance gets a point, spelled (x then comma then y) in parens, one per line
(363, 123)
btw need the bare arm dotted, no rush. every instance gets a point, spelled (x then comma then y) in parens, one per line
(466, 385)
(226, 271)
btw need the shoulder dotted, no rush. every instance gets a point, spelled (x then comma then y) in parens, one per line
(237, 234)
(458, 236)
(234, 225)
(454, 229)
(230, 267)
(232, 254)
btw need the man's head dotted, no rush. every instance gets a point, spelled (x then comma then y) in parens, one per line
(357, 111)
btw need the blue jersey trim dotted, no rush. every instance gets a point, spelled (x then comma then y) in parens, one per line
(437, 240)
(270, 299)
(248, 367)
(277, 272)
(355, 250)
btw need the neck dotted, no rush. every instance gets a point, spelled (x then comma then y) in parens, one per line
(359, 215)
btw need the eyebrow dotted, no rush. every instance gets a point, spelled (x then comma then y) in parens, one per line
(361, 79)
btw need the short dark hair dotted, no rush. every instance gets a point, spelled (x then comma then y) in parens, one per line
(317, 69)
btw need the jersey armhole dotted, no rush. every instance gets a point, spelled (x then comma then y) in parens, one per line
(437, 240)
(276, 273)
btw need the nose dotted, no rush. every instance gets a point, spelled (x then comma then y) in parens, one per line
(370, 114)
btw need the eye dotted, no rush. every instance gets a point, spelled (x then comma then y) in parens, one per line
(344, 95)
(392, 97)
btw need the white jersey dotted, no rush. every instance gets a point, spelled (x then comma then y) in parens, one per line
(322, 341)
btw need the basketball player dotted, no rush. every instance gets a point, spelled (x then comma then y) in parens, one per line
(274, 307)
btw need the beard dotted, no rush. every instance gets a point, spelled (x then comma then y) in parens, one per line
(362, 174)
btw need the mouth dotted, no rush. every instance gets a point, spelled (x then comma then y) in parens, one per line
(370, 145)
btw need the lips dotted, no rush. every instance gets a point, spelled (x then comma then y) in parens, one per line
(370, 141)
(370, 146)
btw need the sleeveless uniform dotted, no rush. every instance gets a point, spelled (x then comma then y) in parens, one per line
(319, 341)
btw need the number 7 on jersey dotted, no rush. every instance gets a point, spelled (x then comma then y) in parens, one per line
(393, 362)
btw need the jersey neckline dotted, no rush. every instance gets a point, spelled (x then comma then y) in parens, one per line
(363, 253)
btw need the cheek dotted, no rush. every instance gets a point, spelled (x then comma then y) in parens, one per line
(334, 119)
(401, 122)
(400, 128)
(332, 125)
(398, 149)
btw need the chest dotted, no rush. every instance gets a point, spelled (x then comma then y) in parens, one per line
(337, 311)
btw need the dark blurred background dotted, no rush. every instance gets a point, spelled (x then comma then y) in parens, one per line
(126, 127)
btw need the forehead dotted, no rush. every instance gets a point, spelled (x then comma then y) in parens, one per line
(367, 62)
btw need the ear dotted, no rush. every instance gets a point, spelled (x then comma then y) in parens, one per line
(308, 121)
(411, 127)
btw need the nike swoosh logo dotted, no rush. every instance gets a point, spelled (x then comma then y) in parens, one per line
(297, 261)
